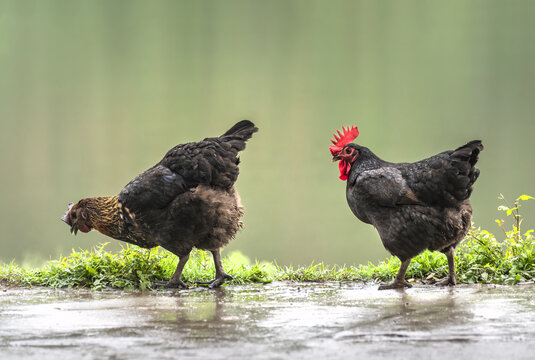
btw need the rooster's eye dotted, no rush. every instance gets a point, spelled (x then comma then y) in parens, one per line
(348, 151)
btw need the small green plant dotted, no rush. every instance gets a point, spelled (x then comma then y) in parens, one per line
(487, 260)
(480, 258)
(515, 212)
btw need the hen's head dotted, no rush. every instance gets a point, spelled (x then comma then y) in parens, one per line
(76, 217)
(343, 149)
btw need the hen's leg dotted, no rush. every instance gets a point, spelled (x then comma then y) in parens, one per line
(399, 282)
(176, 279)
(451, 279)
(220, 274)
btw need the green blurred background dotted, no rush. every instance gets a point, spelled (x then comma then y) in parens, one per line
(94, 92)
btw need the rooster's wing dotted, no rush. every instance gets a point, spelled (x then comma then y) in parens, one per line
(385, 187)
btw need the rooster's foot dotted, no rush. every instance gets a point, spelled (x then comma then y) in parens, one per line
(395, 285)
(449, 281)
(171, 284)
(217, 282)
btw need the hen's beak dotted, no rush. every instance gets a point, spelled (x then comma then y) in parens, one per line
(67, 221)
(74, 228)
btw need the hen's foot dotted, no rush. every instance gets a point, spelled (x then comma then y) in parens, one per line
(217, 282)
(171, 285)
(449, 281)
(395, 285)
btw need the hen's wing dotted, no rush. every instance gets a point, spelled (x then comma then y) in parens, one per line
(154, 189)
(212, 161)
(385, 187)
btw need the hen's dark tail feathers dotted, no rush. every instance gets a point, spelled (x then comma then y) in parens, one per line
(239, 134)
(463, 160)
(469, 151)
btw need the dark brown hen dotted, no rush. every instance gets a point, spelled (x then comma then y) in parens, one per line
(413, 206)
(186, 200)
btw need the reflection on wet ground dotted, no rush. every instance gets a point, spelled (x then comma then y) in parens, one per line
(274, 321)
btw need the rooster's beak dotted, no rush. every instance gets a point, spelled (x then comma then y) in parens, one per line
(337, 158)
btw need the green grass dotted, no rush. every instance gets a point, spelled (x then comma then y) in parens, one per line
(481, 258)
(131, 268)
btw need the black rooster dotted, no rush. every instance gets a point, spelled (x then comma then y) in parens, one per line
(186, 200)
(413, 206)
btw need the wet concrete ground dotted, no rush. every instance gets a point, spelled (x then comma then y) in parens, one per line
(274, 321)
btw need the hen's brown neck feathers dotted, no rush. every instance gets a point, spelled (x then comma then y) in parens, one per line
(104, 214)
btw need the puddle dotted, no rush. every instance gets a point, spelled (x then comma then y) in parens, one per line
(274, 321)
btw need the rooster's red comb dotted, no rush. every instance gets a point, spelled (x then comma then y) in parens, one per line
(349, 134)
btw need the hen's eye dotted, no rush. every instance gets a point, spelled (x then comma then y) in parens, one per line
(73, 215)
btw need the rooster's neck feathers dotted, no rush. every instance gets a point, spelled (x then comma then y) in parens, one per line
(366, 160)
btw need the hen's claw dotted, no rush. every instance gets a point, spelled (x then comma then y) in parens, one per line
(448, 281)
(171, 285)
(217, 282)
(395, 285)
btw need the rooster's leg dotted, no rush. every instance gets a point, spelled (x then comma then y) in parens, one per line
(220, 274)
(451, 279)
(399, 282)
(176, 279)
